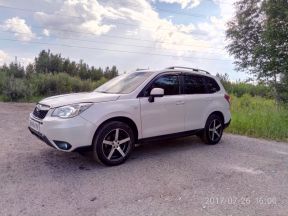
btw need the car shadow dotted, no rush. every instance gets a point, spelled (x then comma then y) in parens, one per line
(141, 151)
(59, 163)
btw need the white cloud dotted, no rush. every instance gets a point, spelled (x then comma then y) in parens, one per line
(25, 61)
(143, 21)
(183, 3)
(90, 17)
(164, 33)
(19, 27)
(80, 16)
(46, 32)
(3, 57)
(7, 58)
(227, 9)
(215, 28)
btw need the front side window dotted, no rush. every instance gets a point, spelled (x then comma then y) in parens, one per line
(124, 84)
(169, 82)
(194, 84)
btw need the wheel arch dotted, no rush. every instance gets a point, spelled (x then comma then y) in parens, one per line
(123, 119)
(220, 114)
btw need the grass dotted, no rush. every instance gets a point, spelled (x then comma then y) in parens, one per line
(32, 99)
(259, 117)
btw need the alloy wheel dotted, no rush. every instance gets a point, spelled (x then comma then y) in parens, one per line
(215, 130)
(116, 144)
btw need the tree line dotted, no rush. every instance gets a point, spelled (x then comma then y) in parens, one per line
(258, 36)
(50, 74)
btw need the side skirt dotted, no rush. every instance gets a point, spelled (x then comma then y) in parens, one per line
(170, 136)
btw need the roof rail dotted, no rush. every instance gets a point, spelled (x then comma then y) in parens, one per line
(188, 68)
(141, 69)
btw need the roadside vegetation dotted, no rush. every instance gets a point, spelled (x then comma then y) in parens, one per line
(255, 112)
(50, 74)
(259, 117)
(258, 40)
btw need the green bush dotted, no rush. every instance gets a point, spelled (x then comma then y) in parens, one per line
(240, 89)
(43, 85)
(49, 84)
(2, 81)
(15, 89)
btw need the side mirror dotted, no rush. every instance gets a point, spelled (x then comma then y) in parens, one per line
(155, 92)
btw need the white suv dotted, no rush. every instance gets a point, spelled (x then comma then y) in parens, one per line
(134, 108)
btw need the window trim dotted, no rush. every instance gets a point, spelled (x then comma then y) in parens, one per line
(141, 94)
(181, 75)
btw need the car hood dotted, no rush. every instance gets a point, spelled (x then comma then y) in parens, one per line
(67, 99)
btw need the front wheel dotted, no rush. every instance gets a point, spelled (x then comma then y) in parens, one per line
(113, 143)
(213, 130)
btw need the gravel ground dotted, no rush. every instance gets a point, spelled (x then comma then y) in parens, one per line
(240, 176)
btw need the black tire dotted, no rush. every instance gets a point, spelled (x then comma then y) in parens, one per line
(107, 149)
(208, 135)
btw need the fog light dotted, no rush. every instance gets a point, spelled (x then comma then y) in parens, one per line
(62, 145)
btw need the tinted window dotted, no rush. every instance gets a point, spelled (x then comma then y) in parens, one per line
(212, 85)
(194, 84)
(170, 84)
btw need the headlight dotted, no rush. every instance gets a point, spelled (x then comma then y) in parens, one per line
(70, 111)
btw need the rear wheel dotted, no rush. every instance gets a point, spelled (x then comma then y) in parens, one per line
(113, 143)
(213, 130)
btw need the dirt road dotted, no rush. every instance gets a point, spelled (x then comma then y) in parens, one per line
(240, 176)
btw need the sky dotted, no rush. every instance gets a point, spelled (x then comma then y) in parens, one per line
(130, 34)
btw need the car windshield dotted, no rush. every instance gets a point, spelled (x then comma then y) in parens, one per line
(124, 84)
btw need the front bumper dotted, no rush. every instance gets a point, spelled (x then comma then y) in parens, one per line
(41, 137)
(76, 132)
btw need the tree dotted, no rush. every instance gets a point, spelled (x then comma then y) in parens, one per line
(16, 70)
(30, 70)
(55, 63)
(95, 73)
(42, 62)
(244, 33)
(258, 36)
(83, 70)
(224, 79)
(275, 46)
(110, 73)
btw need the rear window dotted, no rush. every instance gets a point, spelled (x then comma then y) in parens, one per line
(212, 85)
(194, 84)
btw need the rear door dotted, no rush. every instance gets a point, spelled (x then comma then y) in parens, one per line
(166, 114)
(196, 101)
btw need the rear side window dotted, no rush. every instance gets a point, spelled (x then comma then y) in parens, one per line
(169, 82)
(194, 84)
(212, 85)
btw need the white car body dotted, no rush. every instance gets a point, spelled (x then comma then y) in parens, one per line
(167, 115)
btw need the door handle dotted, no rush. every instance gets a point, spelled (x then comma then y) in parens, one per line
(180, 103)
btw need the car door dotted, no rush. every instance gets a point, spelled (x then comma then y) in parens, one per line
(196, 101)
(166, 114)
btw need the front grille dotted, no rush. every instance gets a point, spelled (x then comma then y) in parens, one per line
(39, 113)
